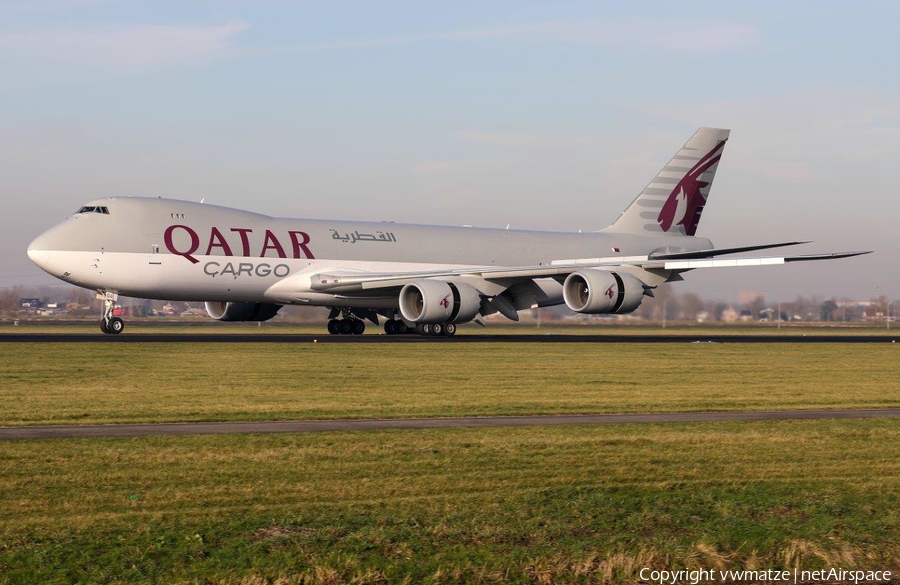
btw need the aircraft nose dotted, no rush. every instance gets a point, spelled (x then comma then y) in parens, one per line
(39, 251)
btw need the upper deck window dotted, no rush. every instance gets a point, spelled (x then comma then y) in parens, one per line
(93, 209)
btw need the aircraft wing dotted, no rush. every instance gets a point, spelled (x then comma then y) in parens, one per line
(681, 265)
(349, 282)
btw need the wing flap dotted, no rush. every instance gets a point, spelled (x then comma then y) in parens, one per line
(720, 251)
(733, 262)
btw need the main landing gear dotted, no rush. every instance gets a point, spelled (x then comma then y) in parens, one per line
(350, 322)
(436, 329)
(391, 327)
(108, 323)
(346, 327)
(395, 327)
(399, 327)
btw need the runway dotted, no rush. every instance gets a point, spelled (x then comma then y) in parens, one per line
(317, 426)
(459, 338)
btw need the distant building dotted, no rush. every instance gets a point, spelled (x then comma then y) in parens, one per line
(730, 315)
(31, 303)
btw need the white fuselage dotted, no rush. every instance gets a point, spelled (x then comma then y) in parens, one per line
(178, 250)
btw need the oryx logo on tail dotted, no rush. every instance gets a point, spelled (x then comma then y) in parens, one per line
(686, 201)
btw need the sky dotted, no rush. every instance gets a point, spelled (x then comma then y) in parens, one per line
(534, 114)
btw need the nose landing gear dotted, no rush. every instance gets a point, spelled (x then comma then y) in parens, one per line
(110, 324)
(113, 327)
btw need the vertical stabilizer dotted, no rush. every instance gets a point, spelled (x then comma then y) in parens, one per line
(674, 199)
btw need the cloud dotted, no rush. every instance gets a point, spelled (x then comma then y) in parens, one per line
(125, 46)
(674, 35)
(147, 46)
(667, 35)
(428, 167)
(523, 140)
(47, 6)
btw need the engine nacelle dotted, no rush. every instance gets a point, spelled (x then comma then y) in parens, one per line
(230, 311)
(439, 301)
(600, 291)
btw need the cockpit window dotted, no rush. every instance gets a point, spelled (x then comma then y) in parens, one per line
(93, 209)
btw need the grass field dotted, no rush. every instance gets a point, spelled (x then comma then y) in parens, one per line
(527, 505)
(575, 504)
(87, 383)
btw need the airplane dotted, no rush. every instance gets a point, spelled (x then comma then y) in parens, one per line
(421, 279)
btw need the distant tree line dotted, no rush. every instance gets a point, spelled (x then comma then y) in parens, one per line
(667, 304)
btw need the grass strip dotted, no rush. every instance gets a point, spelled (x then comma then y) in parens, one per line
(573, 504)
(77, 383)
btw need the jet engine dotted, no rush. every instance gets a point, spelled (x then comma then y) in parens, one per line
(230, 311)
(600, 291)
(438, 301)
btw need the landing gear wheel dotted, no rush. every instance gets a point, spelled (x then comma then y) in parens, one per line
(400, 327)
(345, 326)
(390, 327)
(116, 325)
(437, 329)
(333, 327)
(423, 329)
(358, 327)
(108, 323)
(450, 329)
